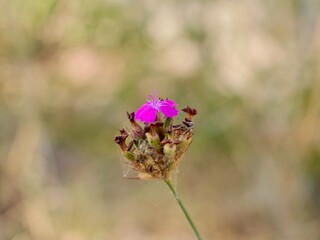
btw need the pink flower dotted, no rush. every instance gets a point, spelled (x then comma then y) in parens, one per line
(148, 112)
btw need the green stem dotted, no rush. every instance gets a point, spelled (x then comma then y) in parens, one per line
(184, 210)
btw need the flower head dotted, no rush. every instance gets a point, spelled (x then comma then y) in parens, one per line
(155, 150)
(148, 112)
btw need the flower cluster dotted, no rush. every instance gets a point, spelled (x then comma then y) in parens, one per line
(155, 150)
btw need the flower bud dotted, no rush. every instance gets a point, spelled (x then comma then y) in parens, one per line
(159, 129)
(126, 150)
(177, 131)
(167, 123)
(185, 142)
(167, 126)
(153, 137)
(121, 141)
(137, 131)
(169, 150)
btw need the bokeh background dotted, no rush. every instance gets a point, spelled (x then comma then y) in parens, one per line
(69, 71)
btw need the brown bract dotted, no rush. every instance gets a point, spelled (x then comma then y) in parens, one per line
(190, 111)
(136, 130)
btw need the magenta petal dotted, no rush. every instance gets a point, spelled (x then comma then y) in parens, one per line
(167, 107)
(146, 113)
(169, 102)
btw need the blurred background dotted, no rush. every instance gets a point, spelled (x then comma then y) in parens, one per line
(69, 71)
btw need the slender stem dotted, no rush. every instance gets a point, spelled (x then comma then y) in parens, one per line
(184, 210)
